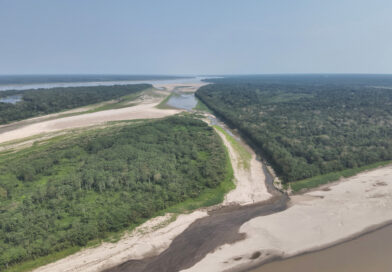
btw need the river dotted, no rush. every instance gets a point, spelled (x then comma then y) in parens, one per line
(47, 85)
(369, 252)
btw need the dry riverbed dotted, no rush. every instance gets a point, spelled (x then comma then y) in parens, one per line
(250, 181)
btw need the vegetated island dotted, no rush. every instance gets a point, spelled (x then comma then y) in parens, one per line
(65, 192)
(44, 101)
(312, 129)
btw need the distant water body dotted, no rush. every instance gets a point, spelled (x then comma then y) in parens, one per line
(12, 99)
(47, 85)
(183, 101)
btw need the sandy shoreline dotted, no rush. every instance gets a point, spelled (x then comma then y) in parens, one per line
(142, 111)
(315, 220)
(369, 230)
(146, 240)
(370, 252)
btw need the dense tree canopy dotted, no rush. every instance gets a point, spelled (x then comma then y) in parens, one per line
(44, 101)
(305, 126)
(71, 190)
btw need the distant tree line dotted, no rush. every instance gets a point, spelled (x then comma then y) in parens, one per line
(45, 101)
(69, 191)
(309, 128)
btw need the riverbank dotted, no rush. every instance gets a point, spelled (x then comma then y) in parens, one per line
(314, 220)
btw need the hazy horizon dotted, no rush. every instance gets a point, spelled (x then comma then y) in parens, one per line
(195, 38)
(189, 75)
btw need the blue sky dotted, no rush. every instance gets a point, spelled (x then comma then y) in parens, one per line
(195, 37)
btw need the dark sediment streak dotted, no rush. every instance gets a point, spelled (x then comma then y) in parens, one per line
(205, 235)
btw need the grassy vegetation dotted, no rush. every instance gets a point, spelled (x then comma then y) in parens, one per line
(32, 264)
(122, 102)
(330, 177)
(201, 106)
(163, 105)
(244, 155)
(125, 101)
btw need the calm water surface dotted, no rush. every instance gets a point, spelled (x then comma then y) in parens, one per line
(11, 99)
(183, 101)
(4, 87)
(369, 253)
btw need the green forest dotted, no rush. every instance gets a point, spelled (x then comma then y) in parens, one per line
(74, 188)
(307, 126)
(45, 101)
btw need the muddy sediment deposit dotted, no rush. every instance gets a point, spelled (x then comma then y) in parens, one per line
(203, 236)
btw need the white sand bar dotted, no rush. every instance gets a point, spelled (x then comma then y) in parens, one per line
(141, 111)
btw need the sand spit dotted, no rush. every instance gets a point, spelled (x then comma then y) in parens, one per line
(185, 88)
(315, 220)
(142, 111)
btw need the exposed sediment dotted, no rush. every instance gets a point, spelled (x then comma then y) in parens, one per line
(315, 220)
(204, 236)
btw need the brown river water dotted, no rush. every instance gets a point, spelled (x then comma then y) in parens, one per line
(371, 252)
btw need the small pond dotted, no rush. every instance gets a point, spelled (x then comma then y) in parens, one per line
(183, 101)
(12, 99)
